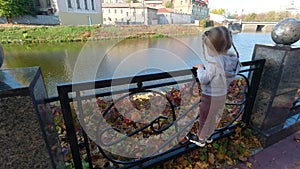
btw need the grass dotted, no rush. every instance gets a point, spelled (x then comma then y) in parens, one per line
(24, 34)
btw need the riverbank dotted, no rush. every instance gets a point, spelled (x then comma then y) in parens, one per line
(26, 34)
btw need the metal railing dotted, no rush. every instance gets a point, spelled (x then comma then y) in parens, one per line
(73, 98)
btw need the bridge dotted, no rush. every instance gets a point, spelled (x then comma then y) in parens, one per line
(236, 27)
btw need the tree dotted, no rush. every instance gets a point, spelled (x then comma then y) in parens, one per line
(220, 11)
(11, 8)
(270, 16)
(168, 4)
(250, 17)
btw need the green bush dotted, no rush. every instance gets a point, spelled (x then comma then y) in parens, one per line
(206, 23)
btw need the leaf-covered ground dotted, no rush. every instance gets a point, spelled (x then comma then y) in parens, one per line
(221, 153)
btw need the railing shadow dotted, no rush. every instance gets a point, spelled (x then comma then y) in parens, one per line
(116, 116)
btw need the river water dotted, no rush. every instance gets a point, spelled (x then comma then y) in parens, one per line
(67, 62)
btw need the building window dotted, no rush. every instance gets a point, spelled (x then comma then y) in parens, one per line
(116, 19)
(78, 4)
(181, 2)
(186, 1)
(127, 14)
(86, 5)
(104, 19)
(93, 5)
(108, 10)
(115, 11)
(121, 10)
(69, 4)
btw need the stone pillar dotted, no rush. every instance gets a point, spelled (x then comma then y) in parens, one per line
(273, 114)
(28, 137)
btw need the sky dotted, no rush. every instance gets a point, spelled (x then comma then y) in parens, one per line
(248, 6)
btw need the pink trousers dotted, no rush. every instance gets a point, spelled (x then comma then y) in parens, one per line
(211, 111)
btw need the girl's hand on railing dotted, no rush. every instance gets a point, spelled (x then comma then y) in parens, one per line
(199, 66)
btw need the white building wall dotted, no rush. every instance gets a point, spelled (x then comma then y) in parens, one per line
(151, 17)
(125, 14)
(117, 15)
(174, 18)
(63, 6)
(217, 18)
(79, 16)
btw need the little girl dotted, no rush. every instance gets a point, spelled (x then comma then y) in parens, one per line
(214, 78)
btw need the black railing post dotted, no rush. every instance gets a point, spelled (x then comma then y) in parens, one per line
(71, 133)
(254, 84)
(80, 117)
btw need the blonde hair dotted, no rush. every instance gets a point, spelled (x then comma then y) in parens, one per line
(219, 39)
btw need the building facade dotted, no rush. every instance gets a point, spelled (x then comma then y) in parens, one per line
(154, 3)
(168, 16)
(184, 11)
(72, 12)
(128, 14)
(200, 10)
(197, 8)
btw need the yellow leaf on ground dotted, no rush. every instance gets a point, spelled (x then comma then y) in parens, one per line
(229, 160)
(211, 158)
(249, 165)
(242, 158)
(220, 156)
(246, 153)
(297, 139)
(201, 165)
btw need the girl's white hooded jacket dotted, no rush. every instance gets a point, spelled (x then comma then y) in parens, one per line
(217, 74)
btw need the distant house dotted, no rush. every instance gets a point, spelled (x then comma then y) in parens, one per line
(128, 14)
(198, 9)
(63, 12)
(77, 12)
(154, 3)
(44, 7)
(184, 12)
(168, 16)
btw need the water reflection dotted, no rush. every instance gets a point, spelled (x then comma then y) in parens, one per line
(56, 61)
(132, 57)
(114, 58)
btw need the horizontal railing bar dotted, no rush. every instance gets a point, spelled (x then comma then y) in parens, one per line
(253, 62)
(132, 89)
(122, 81)
(68, 87)
(52, 99)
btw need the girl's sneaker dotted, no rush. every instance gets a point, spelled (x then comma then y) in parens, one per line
(194, 139)
(208, 140)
